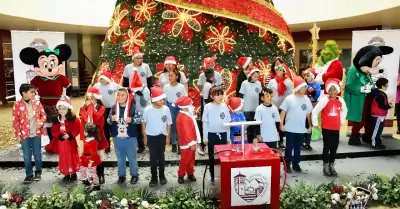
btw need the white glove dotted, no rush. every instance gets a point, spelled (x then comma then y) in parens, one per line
(366, 89)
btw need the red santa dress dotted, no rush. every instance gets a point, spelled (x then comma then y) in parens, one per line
(94, 115)
(67, 149)
(188, 135)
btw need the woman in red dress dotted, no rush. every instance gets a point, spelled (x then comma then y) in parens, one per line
(65, 128)
(93, 112)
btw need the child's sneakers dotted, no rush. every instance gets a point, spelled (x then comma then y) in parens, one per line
(200, 150)
(38, 176)
(327, 170)
(192, 178)
(296, 167)
(181, 180)
(28, 179)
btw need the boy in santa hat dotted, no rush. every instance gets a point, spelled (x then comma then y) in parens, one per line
(107, 88)
(268, 114)
(209, 63)
(235, 105)
(142, 69)
(295, 111)
(244, 64)
(189, 136)
(142, 100)
(333, 114)
(157, 119)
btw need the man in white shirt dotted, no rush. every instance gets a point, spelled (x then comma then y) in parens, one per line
(146, 76)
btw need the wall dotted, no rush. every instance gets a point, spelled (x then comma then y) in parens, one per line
(91, 46)
(72, 40)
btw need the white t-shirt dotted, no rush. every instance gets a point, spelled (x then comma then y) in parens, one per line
(296, 109)
(164, 80)
(174, 92)
(146, 97)
(268, 116)
(273, 85)
(143, 71)
(206, 91)
(107, 92)
(214, 117)
(251, 95)
(157, 120)
(202, 79)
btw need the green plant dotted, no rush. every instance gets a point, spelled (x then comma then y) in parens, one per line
(177, 198)
(301, 196)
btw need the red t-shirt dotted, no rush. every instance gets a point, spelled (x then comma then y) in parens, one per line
(50, 88)
(330, 115)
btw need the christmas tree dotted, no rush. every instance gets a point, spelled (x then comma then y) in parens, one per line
(193, 29)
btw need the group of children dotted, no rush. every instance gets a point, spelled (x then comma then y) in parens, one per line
(127, 114)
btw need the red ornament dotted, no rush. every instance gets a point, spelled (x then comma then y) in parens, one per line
(160, 67)
(143, 10)
(338, 189)
(194, 94)
(262, 33)
(105, 204)
(118, 71)
(220, 38)
(125, 23)
(133, 40)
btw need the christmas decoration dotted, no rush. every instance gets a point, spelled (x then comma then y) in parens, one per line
(134, 38)
(143, 10)
(220, 38)
(115, 22)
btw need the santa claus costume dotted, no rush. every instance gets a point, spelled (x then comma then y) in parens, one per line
(93, 112)
(189, 136)
(65, 128)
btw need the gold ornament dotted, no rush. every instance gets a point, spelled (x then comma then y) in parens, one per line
(265, 71)
(262, 32)
(115, 21)
(182, 16)
(281, 44)
(226, 75)
(314, 44)
(144, 9)
(133, 40)
(220, 38)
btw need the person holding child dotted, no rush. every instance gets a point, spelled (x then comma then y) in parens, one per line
(28, 119)
(66, 127)
(333, 112)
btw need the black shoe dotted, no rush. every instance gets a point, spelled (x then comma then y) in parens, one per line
(308, 147)
(366, 139)
(134, 180)
(281, 145)
(121, 180)
(288, 169)
(379, 147)
(326, 170)
(153, 182)
(96, 188)
(354, 140)
(304, 147)
(180, 180)
(28, 179)
(73, 177)
(296, 167)
(101, 179)
(86, 183)
(66, 179)
(38, 176)
(163, 181)
(140, 150)
(174, 149)
(192, 178)
(212, 181)
(332, 169)
(107, 150)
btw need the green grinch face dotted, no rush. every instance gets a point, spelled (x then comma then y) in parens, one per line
(327, 56)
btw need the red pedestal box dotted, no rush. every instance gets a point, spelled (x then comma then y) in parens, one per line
(252, 181)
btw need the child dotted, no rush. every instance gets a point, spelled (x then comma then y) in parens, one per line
(157, 120)
(268, 114)
(210, 78)
(123, 120)
(215, 115)
(313, 92)
(28, 119)
(379, 110)
(189, 136)
(89, 158)
(93, 112)
(65, 128)
(250, 92)
(173, 90)
(295, 110)
(333, 114)
(142, 100)
(107, 89)
(235, 105)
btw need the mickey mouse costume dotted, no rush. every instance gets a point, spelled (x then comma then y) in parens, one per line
(359, 84)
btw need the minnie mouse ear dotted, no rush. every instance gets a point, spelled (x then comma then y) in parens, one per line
(29, 56)
(386, 50)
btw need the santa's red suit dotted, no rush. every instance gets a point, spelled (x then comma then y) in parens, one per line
(188, 135)
(332, 69)
(90, 153)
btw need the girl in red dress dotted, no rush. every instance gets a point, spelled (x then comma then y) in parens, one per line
(93, 112)
(65, 127)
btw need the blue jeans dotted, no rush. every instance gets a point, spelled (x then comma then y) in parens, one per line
(29, 145)
(293, 144)
(126, 147)
(174, 113)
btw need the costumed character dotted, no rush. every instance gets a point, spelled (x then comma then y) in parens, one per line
(358, 85)
(245, 65)
(50, 84)
(328, 65)
(235, 105)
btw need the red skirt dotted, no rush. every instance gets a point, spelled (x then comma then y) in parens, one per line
(68, 158)
(52, 147)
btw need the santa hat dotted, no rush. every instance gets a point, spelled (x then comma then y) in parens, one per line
(310, 72)
(333, 82)
(209, 61)
(157, 94)
(137, 84)
(253, 71)
(127, 107)
(184, 102)
(93, 92)
(170, 60)
(106, 75)
(65, 101)
(243, 62)
(298, 83)
(235, 104)
(137, 54)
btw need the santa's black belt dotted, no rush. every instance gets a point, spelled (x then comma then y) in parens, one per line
(86, 154)
(52, 98)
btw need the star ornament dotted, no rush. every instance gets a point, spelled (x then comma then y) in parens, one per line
(220, 38)
(115, 21)
(182, 17)
(133, 38)
(143, 11)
